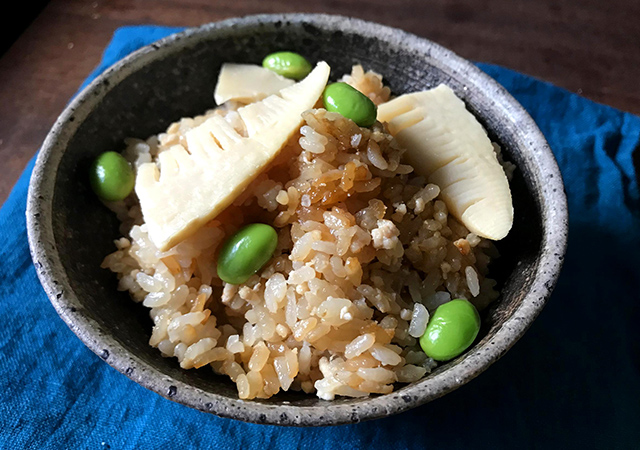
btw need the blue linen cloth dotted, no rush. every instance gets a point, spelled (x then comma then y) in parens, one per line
(571, 382)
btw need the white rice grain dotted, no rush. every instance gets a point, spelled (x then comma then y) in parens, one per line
(472, 280)
(275, 291)
(419, 320)
(359, 345)
(410, 373)
(385, 355)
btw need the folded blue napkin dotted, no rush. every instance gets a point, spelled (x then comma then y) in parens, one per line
(571, 382)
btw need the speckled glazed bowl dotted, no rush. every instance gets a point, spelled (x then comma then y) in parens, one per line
(70, 231)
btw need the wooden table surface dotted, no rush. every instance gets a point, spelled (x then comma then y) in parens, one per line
(591, 47)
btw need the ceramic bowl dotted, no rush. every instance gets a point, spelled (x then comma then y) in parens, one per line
(70, 231)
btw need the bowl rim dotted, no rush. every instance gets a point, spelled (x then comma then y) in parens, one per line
(57, 286)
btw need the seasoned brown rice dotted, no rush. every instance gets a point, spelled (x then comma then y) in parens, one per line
(366, 250)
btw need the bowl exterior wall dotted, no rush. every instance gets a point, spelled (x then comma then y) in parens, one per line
(70, 231)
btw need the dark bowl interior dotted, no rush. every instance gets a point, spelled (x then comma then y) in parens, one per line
(174, 79)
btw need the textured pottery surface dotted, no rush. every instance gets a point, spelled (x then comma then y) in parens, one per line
(70, 231)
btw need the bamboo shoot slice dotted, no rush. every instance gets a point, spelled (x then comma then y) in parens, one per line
(194, 184)
(446, 144)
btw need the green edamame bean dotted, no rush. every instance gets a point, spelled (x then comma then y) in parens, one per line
(351, 103)
(111, 177)
(288, 64)
(451, 330)
(244, 253)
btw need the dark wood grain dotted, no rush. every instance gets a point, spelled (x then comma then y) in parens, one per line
(591, 47)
